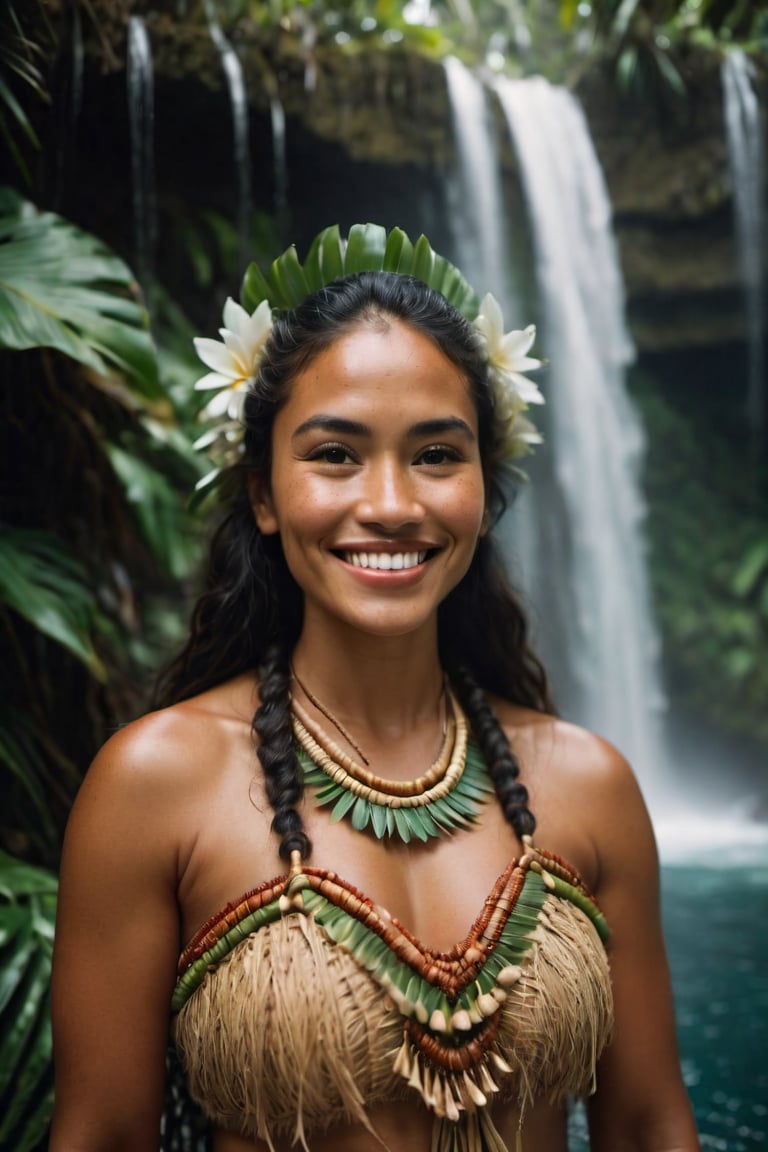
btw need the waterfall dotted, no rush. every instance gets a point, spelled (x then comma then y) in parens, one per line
(745, 153)
(78, 61)
(66, 143)
(591, 534)
(141, 114)
(476, 195)
(233, 73)
(576, 531)
(277, 121)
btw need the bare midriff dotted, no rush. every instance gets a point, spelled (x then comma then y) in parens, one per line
(402, 1128)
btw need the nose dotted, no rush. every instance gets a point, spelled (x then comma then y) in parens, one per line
(389, 498)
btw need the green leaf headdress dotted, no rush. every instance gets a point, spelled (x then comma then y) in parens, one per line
(234, 360)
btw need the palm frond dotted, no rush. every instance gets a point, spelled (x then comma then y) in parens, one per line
(62, 288)
(27, 913)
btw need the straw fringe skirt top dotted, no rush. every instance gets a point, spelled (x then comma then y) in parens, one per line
(303, 1004)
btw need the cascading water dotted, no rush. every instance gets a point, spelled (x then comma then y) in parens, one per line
(477, 198)
(66, 143)
(576, 532)
(141, 114)
(280, 167)
(596, 548)
(233, 73)
(745, 152)
(78, 62)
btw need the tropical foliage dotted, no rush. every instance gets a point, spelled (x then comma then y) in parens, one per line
(612, 19)
(710, 569)
(22, 73)
(63, 289)
(94, 540)
(646, 39)
(27, 909)
(90, 433)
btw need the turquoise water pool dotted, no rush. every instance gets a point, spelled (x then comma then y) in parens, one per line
(716, 924)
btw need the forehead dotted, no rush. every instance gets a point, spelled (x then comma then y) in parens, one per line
(383, 367)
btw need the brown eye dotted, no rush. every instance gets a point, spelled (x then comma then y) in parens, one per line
(438, 454)
(331, 454)
(335, 455)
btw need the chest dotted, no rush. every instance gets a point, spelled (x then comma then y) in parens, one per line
(435, 889)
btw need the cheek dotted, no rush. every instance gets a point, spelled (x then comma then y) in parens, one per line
(304, 505)
(470, 507)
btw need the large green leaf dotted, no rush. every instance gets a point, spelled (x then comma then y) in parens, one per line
(27, 913)
(751, 570)
(159, 510)
(8, 99)
(19, 57)
(23, 757)
(62, 288)
(41, 581)
(17, 879)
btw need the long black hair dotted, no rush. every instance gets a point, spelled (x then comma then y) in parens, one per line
(249, 617)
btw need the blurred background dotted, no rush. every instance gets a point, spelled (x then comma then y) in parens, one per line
(599, 166)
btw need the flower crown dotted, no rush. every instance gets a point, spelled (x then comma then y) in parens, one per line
(235, 359)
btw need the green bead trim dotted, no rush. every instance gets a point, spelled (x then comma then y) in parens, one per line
(458, 809)
(419, 998)
(582, 901)
(194, 975)
(369, 248)
(373, 953)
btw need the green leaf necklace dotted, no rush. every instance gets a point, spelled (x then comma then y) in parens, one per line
(446, 797)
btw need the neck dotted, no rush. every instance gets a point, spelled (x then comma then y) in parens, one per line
(384, 688)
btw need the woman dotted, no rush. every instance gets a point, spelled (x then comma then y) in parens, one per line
(357, 738)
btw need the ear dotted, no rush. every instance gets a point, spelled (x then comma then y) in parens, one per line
(261, 503)
(485, 523)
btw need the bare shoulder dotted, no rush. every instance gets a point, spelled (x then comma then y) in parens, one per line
(174, 743)
(546, 744)
(153, 776)
(583, 792)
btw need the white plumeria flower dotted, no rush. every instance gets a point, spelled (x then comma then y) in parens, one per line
(508, 359)
(235, 362)
(521, 438)
(508, 351)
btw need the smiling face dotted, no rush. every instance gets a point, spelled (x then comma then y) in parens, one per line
(376, 486)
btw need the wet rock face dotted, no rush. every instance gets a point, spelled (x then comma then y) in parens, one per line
(365, 121)
(664, 159)
(666, 166)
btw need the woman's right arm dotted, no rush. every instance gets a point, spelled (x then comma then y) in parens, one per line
(117, 941)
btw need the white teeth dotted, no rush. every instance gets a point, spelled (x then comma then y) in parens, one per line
(385, 561)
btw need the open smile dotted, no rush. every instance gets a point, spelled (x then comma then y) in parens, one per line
(386, 561)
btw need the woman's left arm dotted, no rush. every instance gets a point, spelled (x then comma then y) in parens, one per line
(641, 1104)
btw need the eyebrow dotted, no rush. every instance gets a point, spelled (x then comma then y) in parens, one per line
(344, 427)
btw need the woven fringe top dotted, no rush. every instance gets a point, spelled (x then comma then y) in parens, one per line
(303, 1004)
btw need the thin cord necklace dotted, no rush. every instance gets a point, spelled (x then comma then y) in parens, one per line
(329, 716)
(442, 799)
(397, 787)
